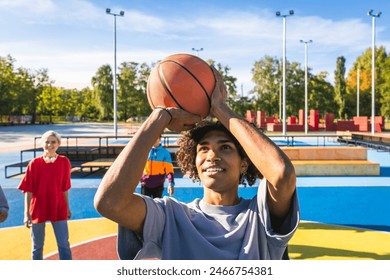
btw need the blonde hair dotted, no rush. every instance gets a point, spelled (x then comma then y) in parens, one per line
(49, 133)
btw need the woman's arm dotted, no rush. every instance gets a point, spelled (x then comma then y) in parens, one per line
(268, 158)
(27, 216)
(67, 204)
(115, 198)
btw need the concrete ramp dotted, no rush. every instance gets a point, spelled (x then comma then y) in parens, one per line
(331, 161)
(325, 153)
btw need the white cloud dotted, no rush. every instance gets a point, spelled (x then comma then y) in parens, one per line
(35, 6)
(140, 22)
(234, 38)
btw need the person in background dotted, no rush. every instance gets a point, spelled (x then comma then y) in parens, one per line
(221, 225)
(158, 167)
(45, 185)
(4, 208)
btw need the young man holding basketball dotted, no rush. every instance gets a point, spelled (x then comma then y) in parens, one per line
(221, 225)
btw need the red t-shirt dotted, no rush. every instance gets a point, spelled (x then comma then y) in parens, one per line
(47, 182)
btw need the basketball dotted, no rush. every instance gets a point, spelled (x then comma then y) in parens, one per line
(183, 81)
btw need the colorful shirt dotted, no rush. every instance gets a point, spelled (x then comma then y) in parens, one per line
(158, 165)
(47, 182)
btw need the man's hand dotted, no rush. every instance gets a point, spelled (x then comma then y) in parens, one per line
(181, 120)
(219, 95)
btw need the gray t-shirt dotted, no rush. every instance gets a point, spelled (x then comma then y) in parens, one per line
(179, 231)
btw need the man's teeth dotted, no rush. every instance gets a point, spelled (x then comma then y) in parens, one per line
(214, 170)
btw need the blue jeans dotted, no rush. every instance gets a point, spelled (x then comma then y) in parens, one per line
(62, 236)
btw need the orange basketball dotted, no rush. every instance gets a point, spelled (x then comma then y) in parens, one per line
(183, 81)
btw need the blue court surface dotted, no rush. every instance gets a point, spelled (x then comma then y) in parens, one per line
(360, 207)
(353, 201)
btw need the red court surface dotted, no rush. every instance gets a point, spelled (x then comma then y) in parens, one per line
(100, 249)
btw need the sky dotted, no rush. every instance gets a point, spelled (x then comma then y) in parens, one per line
(73, 38)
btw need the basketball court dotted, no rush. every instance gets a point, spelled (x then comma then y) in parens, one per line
(343, 217)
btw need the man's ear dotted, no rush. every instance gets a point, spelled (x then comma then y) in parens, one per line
(244, 165)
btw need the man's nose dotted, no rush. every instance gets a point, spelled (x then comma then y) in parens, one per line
(212, 156)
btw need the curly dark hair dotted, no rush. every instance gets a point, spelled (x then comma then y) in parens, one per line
(186, 155)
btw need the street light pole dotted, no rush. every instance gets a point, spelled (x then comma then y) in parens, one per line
(373, 16)
(280, 101)
(306, 106)
(197, 51)
(358, 92)
(278, 14)
(121, 13)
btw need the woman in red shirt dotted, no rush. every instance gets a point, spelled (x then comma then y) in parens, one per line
(46, 184)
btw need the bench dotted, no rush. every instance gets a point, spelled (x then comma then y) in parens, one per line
(336, 168)
(97, 164)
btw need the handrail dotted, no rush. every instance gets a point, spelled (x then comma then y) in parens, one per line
(168, 140)
(167, 137)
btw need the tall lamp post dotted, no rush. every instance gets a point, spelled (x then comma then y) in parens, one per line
(121, 13)
(197, 51)
(306, 106)
(358, 91)
(278, 14)
(373, 16)
(280, 101)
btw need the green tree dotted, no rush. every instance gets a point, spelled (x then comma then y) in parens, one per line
(340, 87)
(72, 101)
(385, 90)
(295, 88)
(48, 101)
(242, 104)
(132, 90)
(267, 78)
(143, 75)
(25, 94)
(230, 82)
(364, 87)
(102, 84)
(41, 81)
(381, 83)
(7, 85)
(321, 95)
(87, 108)
(364, 63)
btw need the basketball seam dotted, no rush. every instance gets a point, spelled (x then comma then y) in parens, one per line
(163, 82)
(197, 80)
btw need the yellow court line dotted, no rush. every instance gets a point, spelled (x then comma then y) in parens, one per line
(315, 241)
